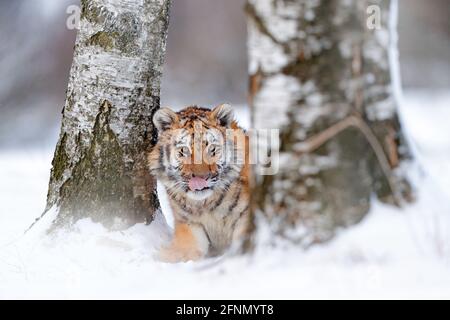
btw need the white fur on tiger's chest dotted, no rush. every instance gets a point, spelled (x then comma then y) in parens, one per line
(218, 225)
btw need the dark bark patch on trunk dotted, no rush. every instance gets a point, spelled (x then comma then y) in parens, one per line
(98, 178)
(60, 160)
(103, 39)
(92, 13)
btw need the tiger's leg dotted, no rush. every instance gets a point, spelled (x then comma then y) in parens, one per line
(241, 231)
(189, 243)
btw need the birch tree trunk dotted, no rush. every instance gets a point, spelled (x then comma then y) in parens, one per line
(98, 167)
(313, 64)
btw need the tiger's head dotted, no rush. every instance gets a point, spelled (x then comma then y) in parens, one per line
(199, 151)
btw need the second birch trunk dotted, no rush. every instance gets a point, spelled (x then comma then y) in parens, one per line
(312, 64)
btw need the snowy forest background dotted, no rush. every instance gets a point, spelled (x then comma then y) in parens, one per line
(392, 253)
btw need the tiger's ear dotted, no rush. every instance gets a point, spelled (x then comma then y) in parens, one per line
(223, 114)
(164, 118)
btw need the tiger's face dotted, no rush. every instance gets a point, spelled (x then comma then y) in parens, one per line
(199, 151)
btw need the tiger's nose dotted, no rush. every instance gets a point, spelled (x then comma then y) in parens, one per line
(203, 176)
(200, 171)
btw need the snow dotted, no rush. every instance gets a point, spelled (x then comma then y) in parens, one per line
(392, 254)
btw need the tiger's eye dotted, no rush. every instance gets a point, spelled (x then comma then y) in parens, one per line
(213, 150)
(183, 152)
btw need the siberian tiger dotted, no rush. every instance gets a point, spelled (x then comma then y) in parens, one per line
(201, 158)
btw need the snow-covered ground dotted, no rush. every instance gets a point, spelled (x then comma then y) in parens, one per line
(391, 254)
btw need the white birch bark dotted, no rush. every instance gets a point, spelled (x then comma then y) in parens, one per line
(312, 64)
(114, 87)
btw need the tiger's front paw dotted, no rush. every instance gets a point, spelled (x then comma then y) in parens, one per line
(188, 243)
(174, 255)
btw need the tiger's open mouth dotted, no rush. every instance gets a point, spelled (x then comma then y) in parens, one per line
(198, 184)
(201, 190)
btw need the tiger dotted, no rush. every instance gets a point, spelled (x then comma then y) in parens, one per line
(205, 171)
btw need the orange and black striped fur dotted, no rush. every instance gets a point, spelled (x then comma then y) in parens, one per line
(201, 158)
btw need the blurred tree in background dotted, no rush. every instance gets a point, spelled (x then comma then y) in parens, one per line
(317, 69)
